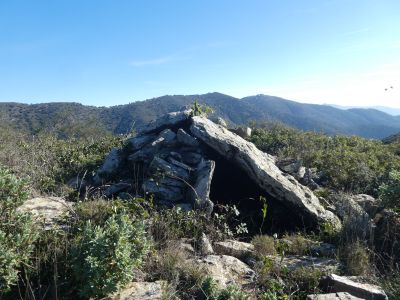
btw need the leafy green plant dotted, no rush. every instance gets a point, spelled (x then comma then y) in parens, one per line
(391, 285)
(49, 161)
(389, 191)
(347, 163)
(209, 291)
(105, 256)
(264, 211)
(17, 231)
(228, 221)
(274, 290)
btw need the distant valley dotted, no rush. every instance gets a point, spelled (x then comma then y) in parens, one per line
(369, 123)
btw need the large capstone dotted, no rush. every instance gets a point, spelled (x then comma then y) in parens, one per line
(261, 168)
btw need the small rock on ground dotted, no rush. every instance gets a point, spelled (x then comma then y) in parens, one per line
(335, 283)
(234, 248)
(333, 296)
(141, 291)
(46, 209)
(227, 270)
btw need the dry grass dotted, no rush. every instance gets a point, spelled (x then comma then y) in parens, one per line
(264, 245)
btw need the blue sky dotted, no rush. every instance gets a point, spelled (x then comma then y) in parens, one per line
(105, 53)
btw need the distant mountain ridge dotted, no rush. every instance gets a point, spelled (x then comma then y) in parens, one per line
(389, 110)
(369, 123)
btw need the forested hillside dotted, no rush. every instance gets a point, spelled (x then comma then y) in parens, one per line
(122, 119)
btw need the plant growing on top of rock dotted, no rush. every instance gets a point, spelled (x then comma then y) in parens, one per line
(105, 256)
(200, 109)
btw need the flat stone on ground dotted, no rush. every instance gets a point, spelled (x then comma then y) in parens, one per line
(46, 209)
(141, 291)
(333, 296)
(227, 270)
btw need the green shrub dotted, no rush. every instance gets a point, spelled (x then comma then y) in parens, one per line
(391, 285)
(50, 161)
(200, 109)
(17, 232)
(348, 163)
(105, 256)
(209, 291)
(232, 292)
(389, 192)
(274, 290)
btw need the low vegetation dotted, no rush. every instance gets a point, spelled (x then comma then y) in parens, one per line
(348, 163)
(104, 244)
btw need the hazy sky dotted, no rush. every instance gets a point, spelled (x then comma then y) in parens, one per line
(114, 52)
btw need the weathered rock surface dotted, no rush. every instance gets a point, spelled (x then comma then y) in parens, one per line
(293, 262)
(48, 210)
(109, 165)
(219, 121)
(368, 203)
(335, 283)
(200, 193)
(355, 219)
(167, 121)
(234, 248)
(244, 132)
(141, 291)
(227, 270)
(323, 249)
(186, 139)
(138, 142)
(204, 245)
(333, 296)
(261, 168)
(306, 176)
(116, 188)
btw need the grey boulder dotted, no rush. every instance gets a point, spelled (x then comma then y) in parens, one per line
(260, 167)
